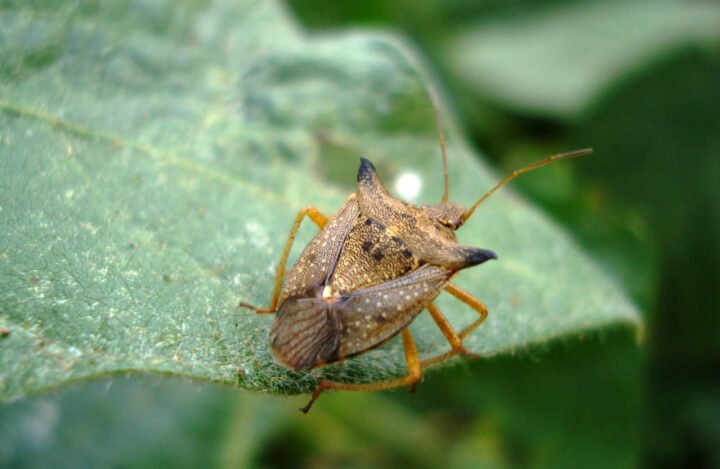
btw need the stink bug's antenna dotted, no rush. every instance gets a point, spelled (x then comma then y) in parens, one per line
(561, 156)
(441, 134)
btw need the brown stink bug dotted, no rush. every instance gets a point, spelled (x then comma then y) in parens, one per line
(373, 267)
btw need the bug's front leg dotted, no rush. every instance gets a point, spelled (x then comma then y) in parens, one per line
(414, 374)
(320, 220)
(456, 345)
(472, 302)
(455, 339)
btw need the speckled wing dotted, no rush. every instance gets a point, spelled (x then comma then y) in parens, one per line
(371, 316)
(311, 331)
(305, 333)
(318, 258)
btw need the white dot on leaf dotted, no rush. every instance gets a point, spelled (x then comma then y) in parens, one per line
(408, 185)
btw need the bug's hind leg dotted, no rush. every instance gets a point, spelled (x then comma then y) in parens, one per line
(414, 374)
(320, 220)
(455, 339)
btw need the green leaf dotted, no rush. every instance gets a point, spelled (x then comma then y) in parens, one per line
(560, 61)
(153, 158)
(120, 422)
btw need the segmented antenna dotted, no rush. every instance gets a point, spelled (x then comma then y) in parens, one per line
(441, 134)
(561, 156)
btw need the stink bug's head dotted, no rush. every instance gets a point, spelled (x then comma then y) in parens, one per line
(453, 216)
(448, 214)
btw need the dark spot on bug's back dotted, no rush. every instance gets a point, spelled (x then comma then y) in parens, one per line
(407, 253)
(397, 240)
(366, 246)
(377, 255)
(379, 225)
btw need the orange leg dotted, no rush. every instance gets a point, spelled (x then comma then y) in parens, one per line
(472, 302)
(414, 374)
(320, 220)
(453, 337)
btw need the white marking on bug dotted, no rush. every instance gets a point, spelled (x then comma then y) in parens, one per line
(408, 185)
(378, 304)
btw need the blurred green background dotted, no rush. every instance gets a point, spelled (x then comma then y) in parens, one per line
(639, 82)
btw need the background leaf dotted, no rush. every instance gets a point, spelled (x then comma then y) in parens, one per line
(153, 158)
(559, 61)
(482, 417)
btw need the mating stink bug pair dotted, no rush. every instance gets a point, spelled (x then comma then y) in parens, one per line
(373, 267)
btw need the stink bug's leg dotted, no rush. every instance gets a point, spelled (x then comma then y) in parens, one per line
(320, 220)
(560, 156)
(449, 333)
(414, 374)
(472, 302)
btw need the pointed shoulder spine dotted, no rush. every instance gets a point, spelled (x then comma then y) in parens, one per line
(366, 171)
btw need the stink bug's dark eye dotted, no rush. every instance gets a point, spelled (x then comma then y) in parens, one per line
(447, 215)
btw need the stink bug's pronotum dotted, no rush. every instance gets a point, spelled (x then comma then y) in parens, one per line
(373, 267)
